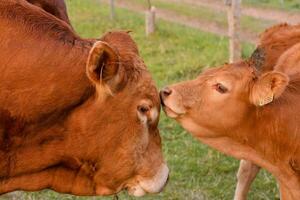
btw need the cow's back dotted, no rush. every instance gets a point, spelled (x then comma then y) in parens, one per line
(55, 7)
(42, 63)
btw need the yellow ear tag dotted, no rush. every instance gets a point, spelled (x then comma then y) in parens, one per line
(266, 100)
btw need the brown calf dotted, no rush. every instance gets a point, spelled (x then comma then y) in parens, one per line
(273, 43)
(76, 116)
(245, 113)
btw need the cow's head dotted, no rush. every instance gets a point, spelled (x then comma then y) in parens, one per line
(122, 119)
(221, 99)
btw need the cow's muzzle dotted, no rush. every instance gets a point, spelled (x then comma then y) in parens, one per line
(152, 185)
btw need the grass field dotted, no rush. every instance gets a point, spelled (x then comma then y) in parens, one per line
(172, 54)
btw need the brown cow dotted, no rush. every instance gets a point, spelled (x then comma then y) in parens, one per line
(76, 116)
(245, 113)
(55, 7)
(273, 43)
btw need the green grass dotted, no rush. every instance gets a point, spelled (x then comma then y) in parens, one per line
(249, 24)
(172, 54)
(287, 5)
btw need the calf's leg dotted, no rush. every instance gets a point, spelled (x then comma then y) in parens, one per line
(285, 193)
(60, 179)
(245, 176)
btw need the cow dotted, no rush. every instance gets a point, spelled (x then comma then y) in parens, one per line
(77, 116)
(246, 112)
(273, 43)
(55, 7)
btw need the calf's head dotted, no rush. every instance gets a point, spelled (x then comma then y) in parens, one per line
(121, 119)
(221, 99)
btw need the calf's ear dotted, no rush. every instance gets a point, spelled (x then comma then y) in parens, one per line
(103, 66)
(268, 87)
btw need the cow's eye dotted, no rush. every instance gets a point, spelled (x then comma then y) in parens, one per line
(143, 109)
(221, 88)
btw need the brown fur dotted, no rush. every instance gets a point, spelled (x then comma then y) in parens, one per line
(264, 58)
(273, 42)
(289, 61)
(55, 7)
(59, 129)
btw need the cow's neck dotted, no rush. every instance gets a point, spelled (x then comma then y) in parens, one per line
(288, 182)
(57, 91)
(276, 134)
(270, 140)
(52, 76)
(275, 144)
(269, 143)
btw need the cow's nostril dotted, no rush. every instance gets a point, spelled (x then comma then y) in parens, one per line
(166, 92)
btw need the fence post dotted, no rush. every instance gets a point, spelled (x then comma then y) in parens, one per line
(234, 14)
(150, 19)
(112, 9)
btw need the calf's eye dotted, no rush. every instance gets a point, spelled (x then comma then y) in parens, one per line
(221, 88)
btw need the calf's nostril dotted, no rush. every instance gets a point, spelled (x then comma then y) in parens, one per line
(166, 92)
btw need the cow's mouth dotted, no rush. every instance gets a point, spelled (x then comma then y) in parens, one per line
(153, 185)
(172, 109)
(136, 191)
(169, 112)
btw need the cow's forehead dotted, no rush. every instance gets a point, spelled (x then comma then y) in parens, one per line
(139, 78)
(147, 89)
(122, 41)
(236, 70)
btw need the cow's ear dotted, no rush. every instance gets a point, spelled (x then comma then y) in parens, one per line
(268, 87)
(103, 66)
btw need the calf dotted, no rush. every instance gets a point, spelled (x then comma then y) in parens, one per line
(77, 116)
(273, 43)
(246, 113)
